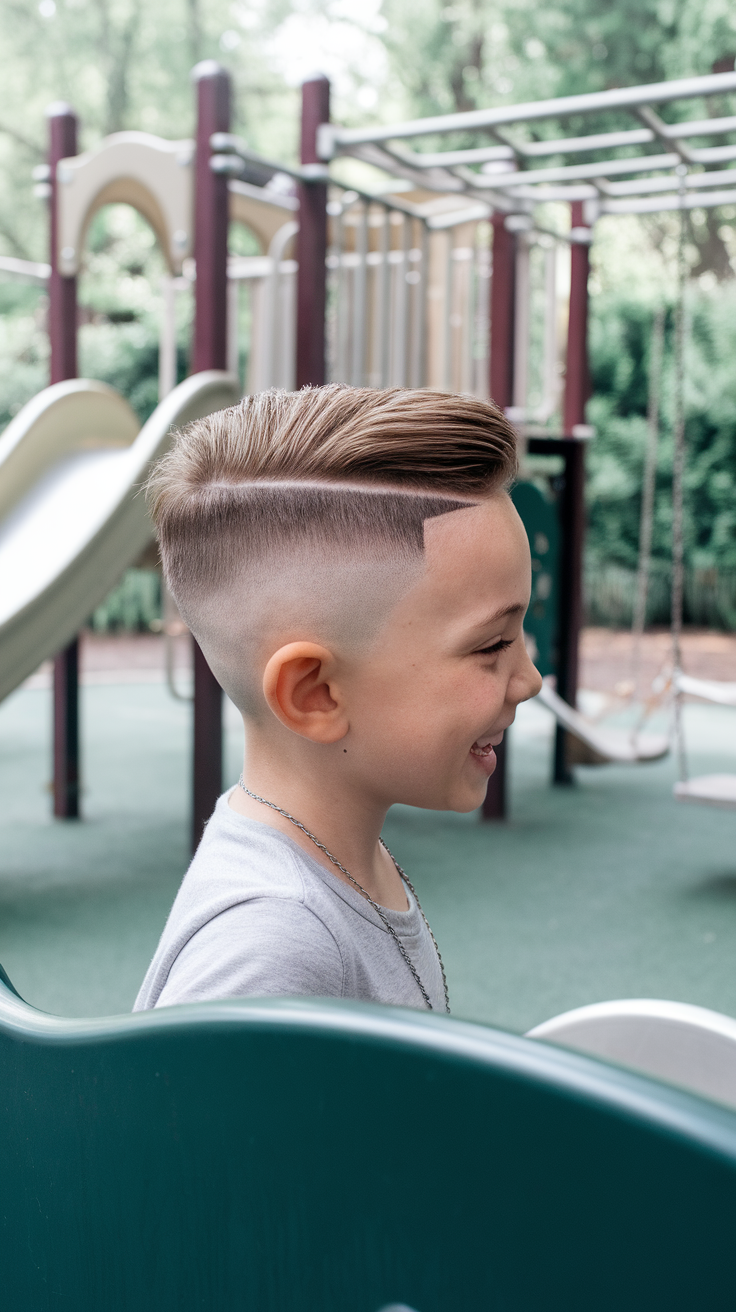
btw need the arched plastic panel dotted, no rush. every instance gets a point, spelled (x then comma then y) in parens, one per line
(262, 211)
(67, 540)
(131, 168)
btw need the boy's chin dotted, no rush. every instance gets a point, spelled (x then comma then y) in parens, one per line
(463, 794)
(468, 798)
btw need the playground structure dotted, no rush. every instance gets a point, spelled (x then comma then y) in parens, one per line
(447, 278)
(564, 1181)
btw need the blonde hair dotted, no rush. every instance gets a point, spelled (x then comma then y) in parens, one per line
(328, 471)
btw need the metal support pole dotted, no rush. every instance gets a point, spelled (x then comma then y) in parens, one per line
(210, 220)
(522, 313)
(573, 495)
(66, 732)
(503, 287)
(577, 386)
(312, 243)
(62, 321)
(209, 352)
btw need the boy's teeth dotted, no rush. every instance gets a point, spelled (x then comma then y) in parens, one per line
(482, 747)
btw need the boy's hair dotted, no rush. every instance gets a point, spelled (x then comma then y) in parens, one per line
(306, 479)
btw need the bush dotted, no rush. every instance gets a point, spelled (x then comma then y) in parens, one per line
(621, 332)
(133, 606)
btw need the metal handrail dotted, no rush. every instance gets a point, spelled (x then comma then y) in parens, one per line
(331, 136)
(521, 188)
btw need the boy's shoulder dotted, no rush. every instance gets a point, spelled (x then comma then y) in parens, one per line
(241, 861)
(242, 857)
(245, 880)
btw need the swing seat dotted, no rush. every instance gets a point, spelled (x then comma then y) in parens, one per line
(603, 746)
(320, 1156)
(709, 790)
(724, 694)
(673, 1041)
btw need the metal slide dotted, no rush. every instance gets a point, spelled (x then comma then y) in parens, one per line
(71, 464)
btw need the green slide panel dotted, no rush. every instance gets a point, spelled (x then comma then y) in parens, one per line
(540, 519)
(307, 1156)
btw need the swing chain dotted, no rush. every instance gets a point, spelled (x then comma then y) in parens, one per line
(678, 471)
(647, 501)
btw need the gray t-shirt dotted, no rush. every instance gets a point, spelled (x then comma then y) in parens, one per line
(256, 916)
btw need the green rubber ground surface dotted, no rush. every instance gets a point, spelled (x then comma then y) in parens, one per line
(608, 889)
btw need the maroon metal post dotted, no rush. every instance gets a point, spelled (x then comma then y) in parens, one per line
(501, 382)
(577, 388)
(209, 352)
(210, 220)
(503, 290)
(62, 324)
(62, 309)
(66, 732)
(312, 243)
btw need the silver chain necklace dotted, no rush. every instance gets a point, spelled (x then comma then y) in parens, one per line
(367, 896)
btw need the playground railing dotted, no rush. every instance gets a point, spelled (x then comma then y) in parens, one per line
(408, 303)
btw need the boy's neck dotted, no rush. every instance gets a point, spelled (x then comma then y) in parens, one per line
(348, 824)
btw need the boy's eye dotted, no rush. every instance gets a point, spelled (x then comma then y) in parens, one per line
(501, 645)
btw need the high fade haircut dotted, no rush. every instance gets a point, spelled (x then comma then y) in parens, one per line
(299, 514)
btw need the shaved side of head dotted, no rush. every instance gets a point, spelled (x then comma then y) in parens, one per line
(295, 561)
(301, 515)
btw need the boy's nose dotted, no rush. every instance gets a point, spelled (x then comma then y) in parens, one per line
(536, 682)
(527, 681)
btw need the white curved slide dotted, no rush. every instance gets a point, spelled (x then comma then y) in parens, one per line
(604, 746)
(673, 1041)
(71, 518)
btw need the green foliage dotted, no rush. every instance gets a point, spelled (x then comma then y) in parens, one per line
(120, 294)
(134, 605)
(621, 332)
(475, 52)
(24, 346)
(124, 64)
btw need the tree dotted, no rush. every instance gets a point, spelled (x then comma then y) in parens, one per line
(473, 53)
(123, 64)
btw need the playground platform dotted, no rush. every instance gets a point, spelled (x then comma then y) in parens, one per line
(606, 889)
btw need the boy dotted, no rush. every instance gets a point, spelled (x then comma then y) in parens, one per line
(355, 572)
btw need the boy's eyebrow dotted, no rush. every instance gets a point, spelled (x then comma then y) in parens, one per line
(516, 609)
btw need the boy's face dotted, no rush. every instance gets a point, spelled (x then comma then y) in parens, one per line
(442, 683)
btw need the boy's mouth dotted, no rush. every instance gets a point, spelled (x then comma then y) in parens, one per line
(485, 744)
(482, 746)
(483, 752)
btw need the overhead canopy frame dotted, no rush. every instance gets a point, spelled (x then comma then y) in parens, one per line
(647, 165)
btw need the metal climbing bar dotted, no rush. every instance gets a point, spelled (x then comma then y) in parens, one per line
(506, 173)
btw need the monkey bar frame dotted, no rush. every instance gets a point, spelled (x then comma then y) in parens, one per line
(510, 180)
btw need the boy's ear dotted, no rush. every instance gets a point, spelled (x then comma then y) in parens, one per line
(299, 686)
